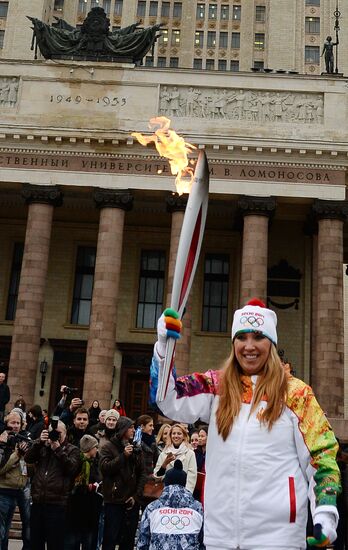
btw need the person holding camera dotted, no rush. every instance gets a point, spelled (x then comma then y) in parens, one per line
(122, 468)
(79, 427)
(13, 474)
(57, 463)
(67, 405)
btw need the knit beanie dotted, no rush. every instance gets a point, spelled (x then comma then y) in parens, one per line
(112, 413)
(88, 442)
(255, 317)
(175, 475)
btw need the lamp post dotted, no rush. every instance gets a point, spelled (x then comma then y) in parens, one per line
(43, 372)
(337, 15)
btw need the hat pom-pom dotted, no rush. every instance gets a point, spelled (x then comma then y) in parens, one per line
(178, 464)
(255, 302)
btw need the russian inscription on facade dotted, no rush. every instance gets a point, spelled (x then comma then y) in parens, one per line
(242, 105)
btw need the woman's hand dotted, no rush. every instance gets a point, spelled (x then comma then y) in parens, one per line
(169, 458)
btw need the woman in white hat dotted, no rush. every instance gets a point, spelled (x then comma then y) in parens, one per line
(270, 447)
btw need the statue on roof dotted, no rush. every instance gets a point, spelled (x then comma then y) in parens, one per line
(93, 41)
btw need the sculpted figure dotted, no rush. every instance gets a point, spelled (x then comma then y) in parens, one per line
(329, 55)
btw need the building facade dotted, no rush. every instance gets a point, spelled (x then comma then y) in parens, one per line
(90, 223)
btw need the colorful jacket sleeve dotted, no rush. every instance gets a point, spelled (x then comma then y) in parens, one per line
(316, 446)
(188, 398)
(144, 531)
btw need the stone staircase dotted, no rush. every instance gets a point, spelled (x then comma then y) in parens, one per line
(16, 526)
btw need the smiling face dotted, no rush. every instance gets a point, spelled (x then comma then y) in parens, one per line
(177, 436)
(194, 440)
(147, 428)
(251, 350)
(202, 438)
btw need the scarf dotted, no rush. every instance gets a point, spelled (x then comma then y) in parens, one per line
(148, 439)
(83, 477)
(177, 452)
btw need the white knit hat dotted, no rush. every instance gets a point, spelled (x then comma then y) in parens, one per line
(255, 317)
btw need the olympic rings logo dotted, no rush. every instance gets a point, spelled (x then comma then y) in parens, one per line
(176, 522)
(255, 322)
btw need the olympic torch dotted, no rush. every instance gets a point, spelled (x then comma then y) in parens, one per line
(187, 257)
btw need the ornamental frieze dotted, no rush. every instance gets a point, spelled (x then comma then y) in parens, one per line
(9, 91)
(242, 105)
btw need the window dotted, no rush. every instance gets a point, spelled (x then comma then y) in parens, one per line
(3, 9)
(153, 9)
(177, 9)
(211, 41)
(225, 12)
(215, 294)
(151, 288)
(118, 7)
(200, 11)
(164, 38)
(141, 9)
(175, 38)
(2, 37)
(107, 6)
(165, 9)
(212, 12)
(234, 66)
(223, 40)
(58, 5)
(82, 6)
(313, 25)
(236, 13)
(174, 62)
(259, 42)
(312, 55)
(259, 64)
(14, 281)
(149, 61)
(83, 287)
(199, 35)
(209, 64)
(161, 62)
(197, 64)
(235, 40)
(222, 65)
(260, 14)
(312, 2)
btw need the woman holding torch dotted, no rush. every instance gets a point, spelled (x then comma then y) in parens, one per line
(270, 446)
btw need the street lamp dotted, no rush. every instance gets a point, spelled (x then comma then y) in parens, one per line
(337, 15)
(43, 372)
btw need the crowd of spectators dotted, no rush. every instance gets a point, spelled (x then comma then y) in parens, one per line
(79, 478)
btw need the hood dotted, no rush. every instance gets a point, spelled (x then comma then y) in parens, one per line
(123, 423)
(176, 496)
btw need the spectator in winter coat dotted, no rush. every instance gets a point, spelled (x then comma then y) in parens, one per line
(56, 464)
(93, 412)
(111, 418)
(99, 427)
(162, 437)
(149, 449)
(79, 427)
(85, 501)
(4, 395)
(123, 474)
(118, 406)
(175, 520)
(178, 447)
(35, 422)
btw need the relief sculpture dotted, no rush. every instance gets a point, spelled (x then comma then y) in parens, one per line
(242, 105)
(8, 91)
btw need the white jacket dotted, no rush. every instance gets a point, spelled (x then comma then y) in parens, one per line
(258, 481)
(189, 465)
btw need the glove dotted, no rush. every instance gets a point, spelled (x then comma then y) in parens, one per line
(168, 326)
(324, 530)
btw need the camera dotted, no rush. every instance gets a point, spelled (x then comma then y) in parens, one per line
(14, 438)
(54, 435)
(70, 391)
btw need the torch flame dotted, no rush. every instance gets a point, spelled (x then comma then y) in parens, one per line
(172, 147)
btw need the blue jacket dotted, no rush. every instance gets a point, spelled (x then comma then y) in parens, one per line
(173, 522)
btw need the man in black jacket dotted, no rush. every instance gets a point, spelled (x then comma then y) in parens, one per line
(123, 473)
(56, 463)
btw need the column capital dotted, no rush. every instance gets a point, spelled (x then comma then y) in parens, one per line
(176, 203)
(258, 206)
(43, 194)
(330, 210)
(112, 198)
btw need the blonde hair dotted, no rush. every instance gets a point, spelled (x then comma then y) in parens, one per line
(272, 383)
(159, 437)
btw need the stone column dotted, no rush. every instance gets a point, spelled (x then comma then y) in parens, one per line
(328, 370)
(256, 212)
(31, 293)
(176, 206)
(102, 330)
